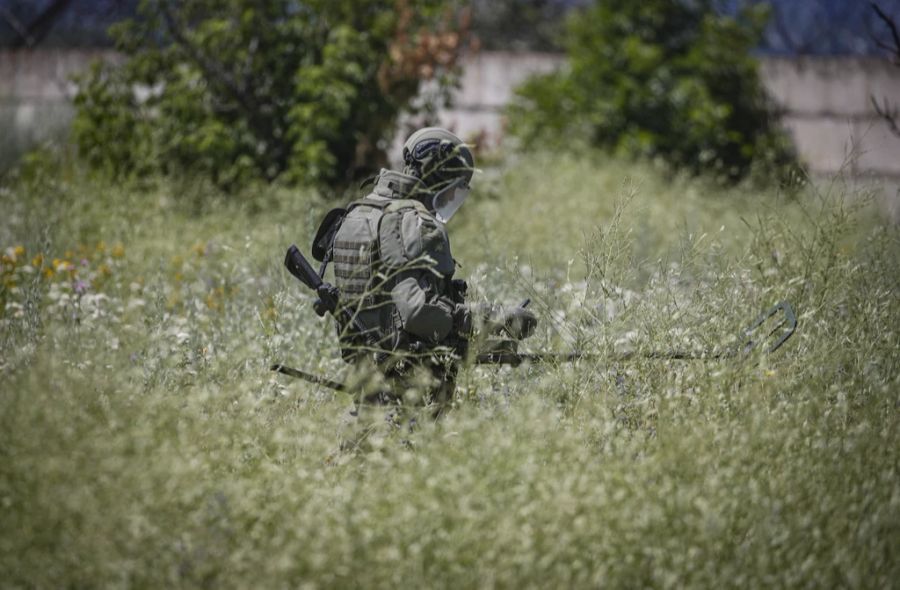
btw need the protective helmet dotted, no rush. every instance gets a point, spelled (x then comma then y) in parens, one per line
(445, 166)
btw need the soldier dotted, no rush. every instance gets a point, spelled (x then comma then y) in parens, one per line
(394, 271)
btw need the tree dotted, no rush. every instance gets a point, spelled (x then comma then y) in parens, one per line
(671, 79)
(302, 91)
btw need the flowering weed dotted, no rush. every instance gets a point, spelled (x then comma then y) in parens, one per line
(143, 441)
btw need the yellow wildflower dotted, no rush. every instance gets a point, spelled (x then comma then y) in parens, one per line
(199, 249)
(19, 251)
(37, 261)
(118, 250)
(48, 272)
(104, 270)
(101, 247)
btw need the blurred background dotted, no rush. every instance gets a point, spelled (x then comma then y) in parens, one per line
(830, 67)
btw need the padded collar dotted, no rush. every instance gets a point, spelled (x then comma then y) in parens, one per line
(396, 185)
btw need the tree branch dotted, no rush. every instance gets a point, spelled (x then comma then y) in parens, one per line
(888, 114)
(16, 25)
(214, 72)
(39, 27)
(892, 27)
(885, 111)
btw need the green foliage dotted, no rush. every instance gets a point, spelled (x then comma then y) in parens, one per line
(659, 79)
(145, 443)
(307, 92)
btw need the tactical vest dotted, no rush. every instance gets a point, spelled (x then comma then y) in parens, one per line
(355, 251)
(379, 240)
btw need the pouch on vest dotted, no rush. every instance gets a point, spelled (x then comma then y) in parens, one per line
(355, 253)
(411, 238)
(322, 243)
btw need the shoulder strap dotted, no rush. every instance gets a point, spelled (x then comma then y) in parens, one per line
(366, 201)
(398, 204)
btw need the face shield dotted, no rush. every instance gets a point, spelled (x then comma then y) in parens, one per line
(447, 201)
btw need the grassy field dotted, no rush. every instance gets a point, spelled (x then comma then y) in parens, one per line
(143, 442)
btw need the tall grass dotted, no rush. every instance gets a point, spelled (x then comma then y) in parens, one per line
(144, 443)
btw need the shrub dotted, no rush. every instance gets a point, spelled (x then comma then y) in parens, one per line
(247, 89)
(659, 79)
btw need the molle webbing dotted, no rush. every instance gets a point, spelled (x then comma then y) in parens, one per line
(353, 265)
(355, 252)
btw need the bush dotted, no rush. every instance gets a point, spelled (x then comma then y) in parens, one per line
(302, 91)
(659, 79)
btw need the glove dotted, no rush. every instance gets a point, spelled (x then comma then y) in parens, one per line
(462, 320)
(458, 289)
(519, 322)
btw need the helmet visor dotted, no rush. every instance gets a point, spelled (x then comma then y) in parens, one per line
(447, 202)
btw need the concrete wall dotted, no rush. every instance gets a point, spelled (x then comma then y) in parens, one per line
(35, 96)
(487, 85)
(829, 112)
(826, 101)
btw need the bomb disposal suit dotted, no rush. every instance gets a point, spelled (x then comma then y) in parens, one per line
(394, 270)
